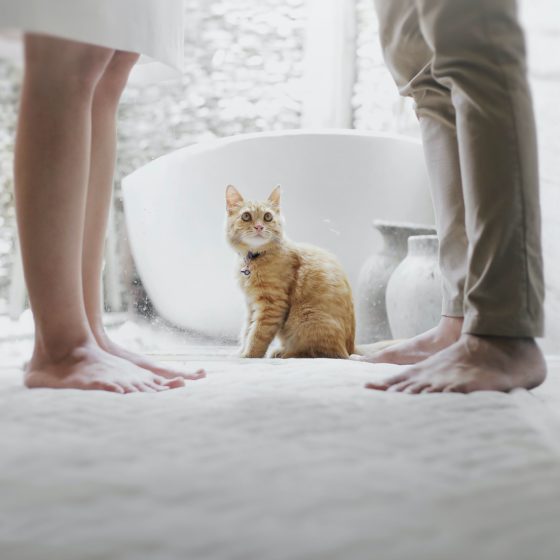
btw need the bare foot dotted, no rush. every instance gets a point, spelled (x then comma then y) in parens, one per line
(474, 363)
(141, 361)
(420, 347)
(90, 367)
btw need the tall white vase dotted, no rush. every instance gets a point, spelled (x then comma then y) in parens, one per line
(414, 289)
(371, 311)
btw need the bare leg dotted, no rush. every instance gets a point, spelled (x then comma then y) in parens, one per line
(51, 170)
(420, 347)
(106, 98)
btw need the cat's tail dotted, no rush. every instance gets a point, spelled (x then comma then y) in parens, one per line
(351, 337)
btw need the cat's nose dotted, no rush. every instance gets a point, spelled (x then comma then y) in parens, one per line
(259, 227)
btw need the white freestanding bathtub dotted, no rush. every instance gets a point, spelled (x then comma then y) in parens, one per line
(334, 184)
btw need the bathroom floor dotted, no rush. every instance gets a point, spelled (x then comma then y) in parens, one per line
(277, 460)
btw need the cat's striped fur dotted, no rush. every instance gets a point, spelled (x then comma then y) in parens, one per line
(296, 292)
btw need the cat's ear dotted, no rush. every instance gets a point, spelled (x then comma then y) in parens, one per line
(274, 197)
(233, 199)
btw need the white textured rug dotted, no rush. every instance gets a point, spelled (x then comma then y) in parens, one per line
(279, 460)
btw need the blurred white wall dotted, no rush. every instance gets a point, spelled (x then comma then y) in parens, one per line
(541, 19)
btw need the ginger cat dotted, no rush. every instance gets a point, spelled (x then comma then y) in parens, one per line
(296, 292)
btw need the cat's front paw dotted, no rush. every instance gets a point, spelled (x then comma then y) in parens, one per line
(277, 353)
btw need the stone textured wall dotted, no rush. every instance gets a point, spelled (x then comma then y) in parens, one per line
(9, 93)
(243, 69)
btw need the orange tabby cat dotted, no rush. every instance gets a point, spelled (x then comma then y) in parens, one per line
(296, 292)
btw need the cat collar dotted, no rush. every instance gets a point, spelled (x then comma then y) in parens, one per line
(248, 258)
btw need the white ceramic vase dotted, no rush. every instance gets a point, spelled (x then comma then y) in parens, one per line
(414, 290)
(371, 310)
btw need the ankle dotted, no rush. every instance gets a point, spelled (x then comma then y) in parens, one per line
(510, 343)
(57, 349)
(98, 332)
(449, 329)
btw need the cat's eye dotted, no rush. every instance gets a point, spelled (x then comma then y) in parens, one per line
(268, 217)
(246, 217)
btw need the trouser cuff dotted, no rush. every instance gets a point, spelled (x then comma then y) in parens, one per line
(452, 308)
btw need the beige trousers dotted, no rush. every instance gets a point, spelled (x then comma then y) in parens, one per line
(463, 62)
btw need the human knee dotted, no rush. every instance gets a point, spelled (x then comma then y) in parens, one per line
(115, 76)
(473, 39)
(91, 67)
(68, 66)
(404, 48)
